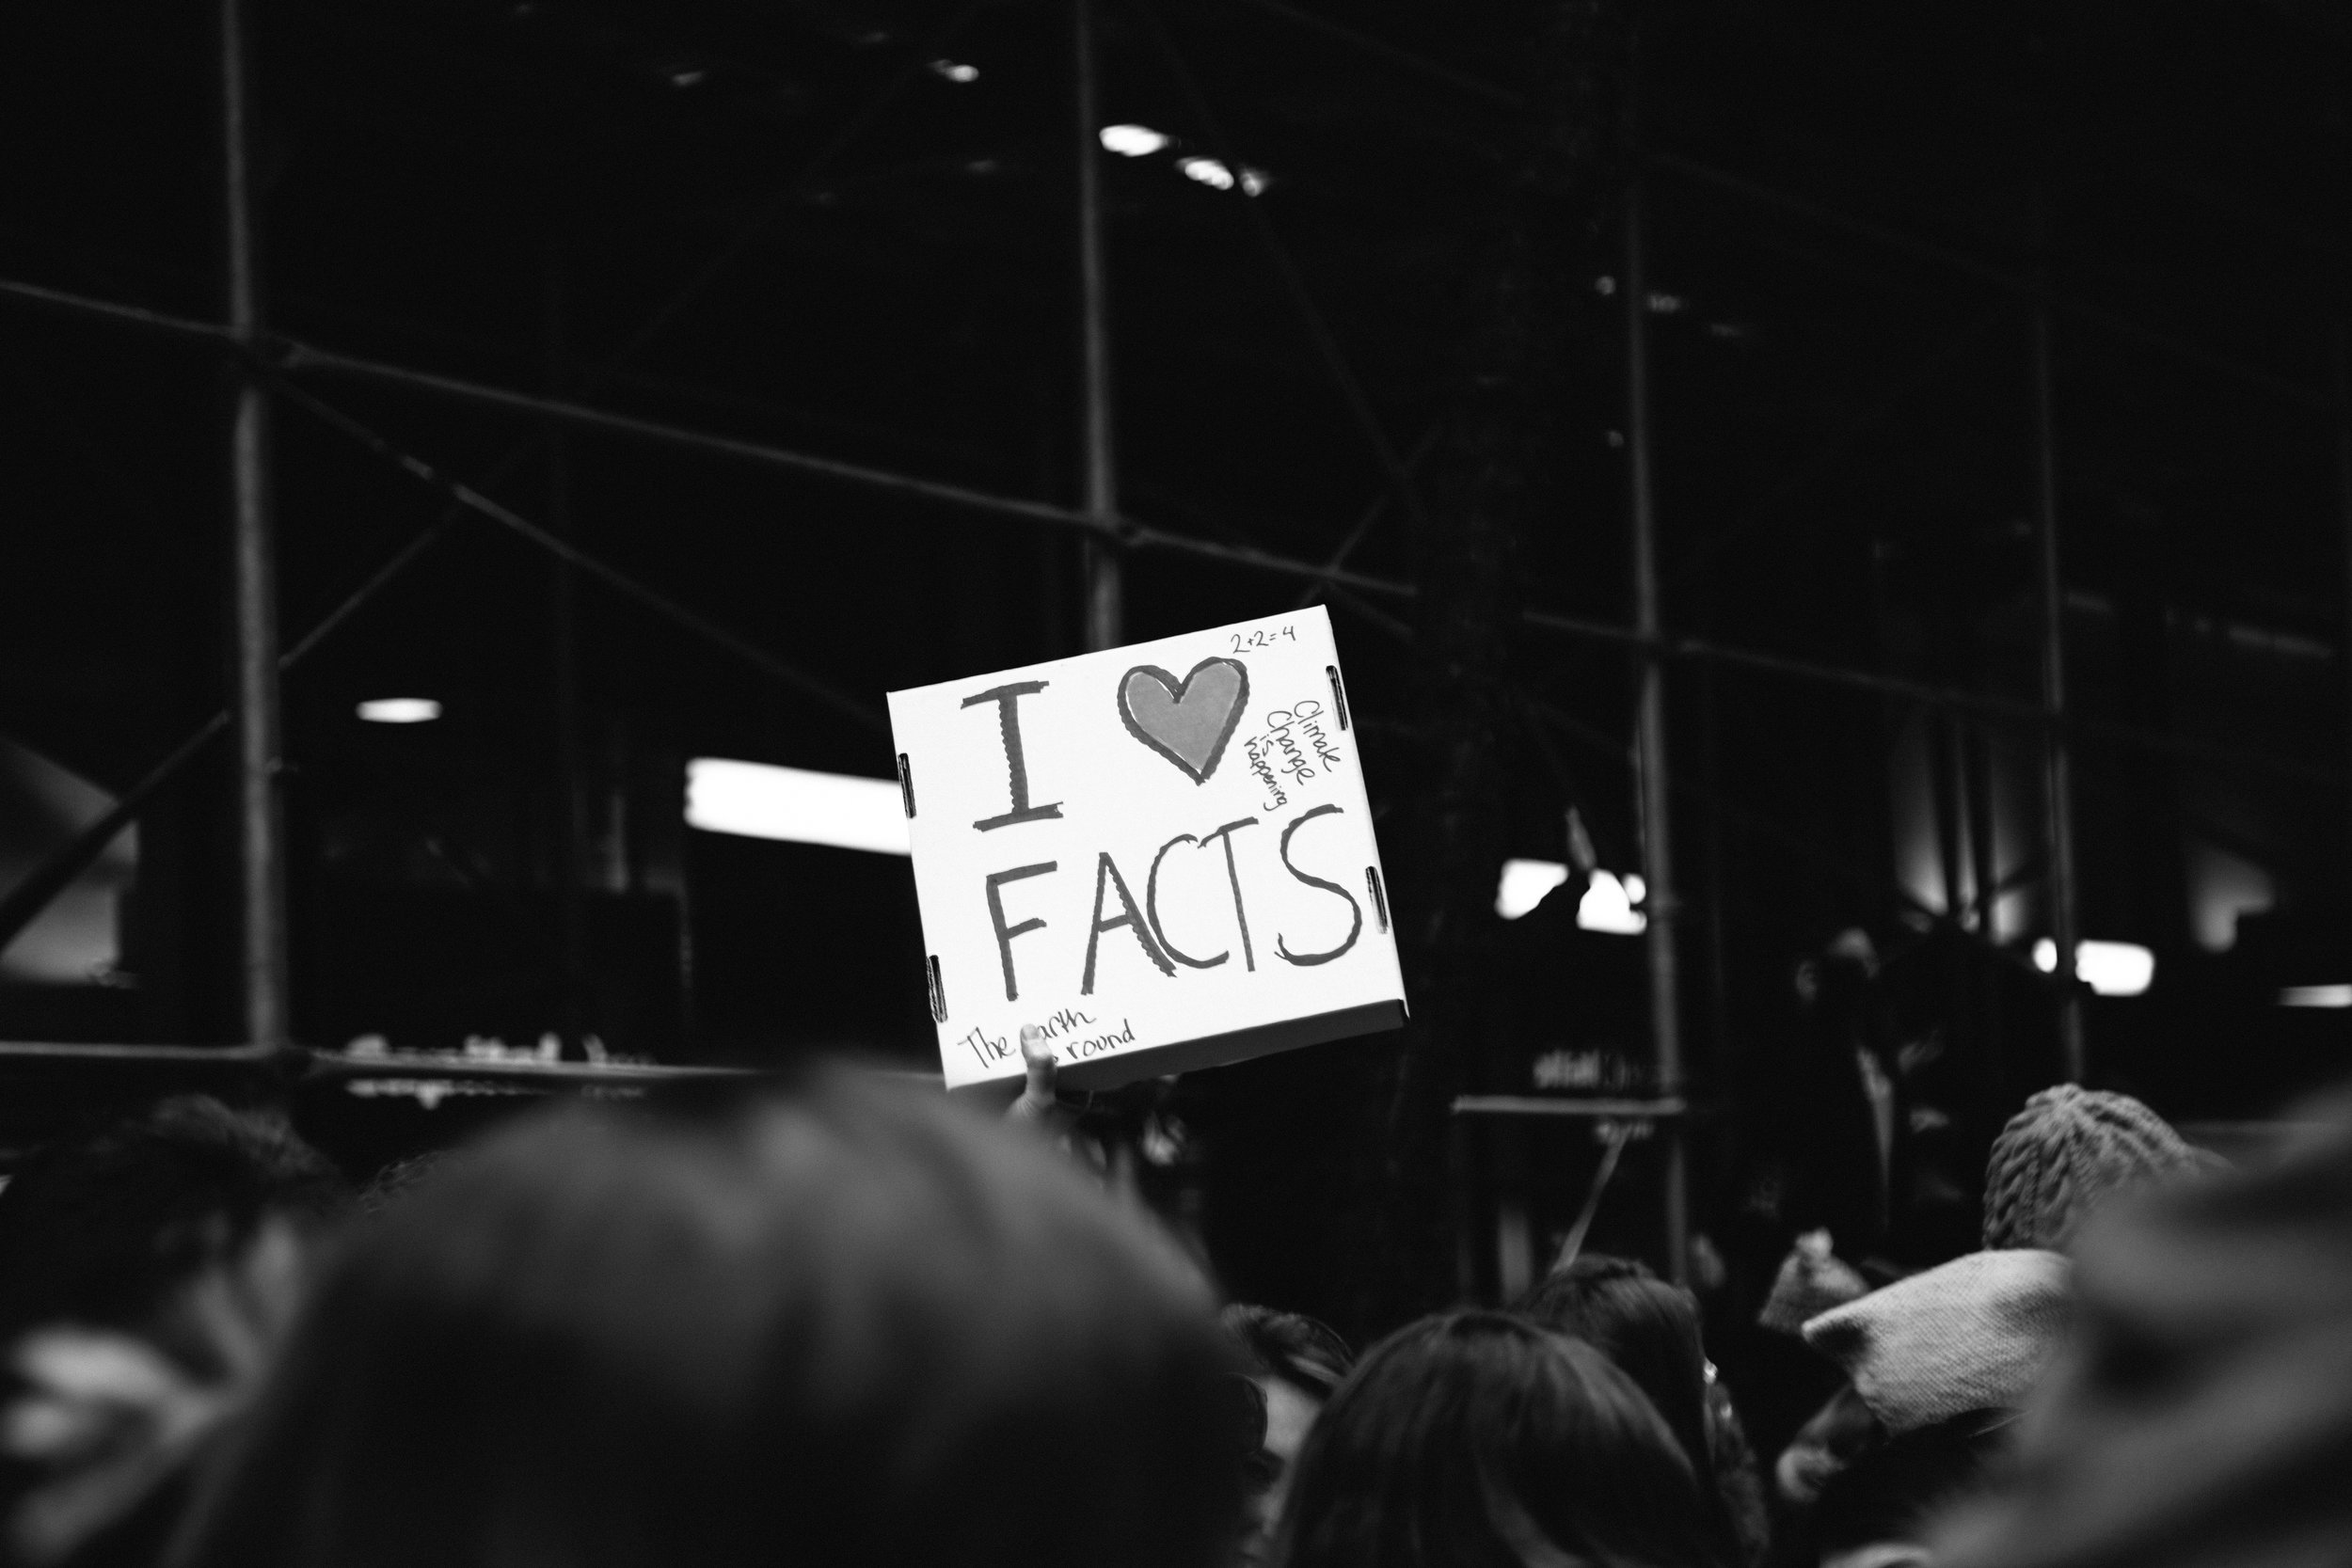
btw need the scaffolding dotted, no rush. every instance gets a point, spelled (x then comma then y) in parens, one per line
(273, 371)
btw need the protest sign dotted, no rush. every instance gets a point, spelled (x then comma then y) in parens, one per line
(1159, 854)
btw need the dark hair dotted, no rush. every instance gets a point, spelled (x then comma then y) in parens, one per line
(852, 1326)
(102, 1229)
(1896, 1490)
(1649, 1330)
(1301, 1351)
(1478, 1438)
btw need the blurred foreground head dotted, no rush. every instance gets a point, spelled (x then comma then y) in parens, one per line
(850, 1327)
(148, 1269)
(1480, 1440)
(103, 1230)
(2203, 1414)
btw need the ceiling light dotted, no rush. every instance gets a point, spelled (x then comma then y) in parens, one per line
(1132, 141)
(2108, 968)
(795, 805)
(1208, 171)
(955, 71)
(400, 710)
(2316, 996)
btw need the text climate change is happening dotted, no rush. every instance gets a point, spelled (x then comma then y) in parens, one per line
(1161, 854)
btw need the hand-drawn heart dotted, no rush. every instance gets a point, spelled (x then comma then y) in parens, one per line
(1186, 721)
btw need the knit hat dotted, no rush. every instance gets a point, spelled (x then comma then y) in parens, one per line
(1974, 1334)
(2069, 1150)
(1812, 1280)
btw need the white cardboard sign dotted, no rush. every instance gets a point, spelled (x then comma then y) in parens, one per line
(1160, 854)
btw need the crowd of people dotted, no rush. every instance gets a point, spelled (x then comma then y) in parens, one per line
(842, 1321)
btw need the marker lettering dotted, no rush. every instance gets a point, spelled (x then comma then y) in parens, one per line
(1152, 910)
(997, 880)
(1241, 916)
(1105, 873)
(1008, 699)
(1354, 909)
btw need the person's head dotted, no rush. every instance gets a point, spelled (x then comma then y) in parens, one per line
(1294, 1365)
(851, 1326)
(1882, 1510)
(2067, 1152)
(1840, 971)
(1479, 1438)
(1647, 1327)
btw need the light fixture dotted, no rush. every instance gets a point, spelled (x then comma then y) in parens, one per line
(400, 710)
(1608, 905)
(2108, 968)
(1219, 177)
(1132, 141)
(2316, 996)
(796, 806)
(1612, 905)
(955, 71)
(1524, 884)
(1208, 171)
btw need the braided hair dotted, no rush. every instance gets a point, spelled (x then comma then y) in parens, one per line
(2065, 1153)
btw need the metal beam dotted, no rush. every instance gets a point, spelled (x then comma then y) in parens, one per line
(1105, 596)
(253, 571)
(858, 711)
(1138, 536)
(1437, 70)
(1661, 905)
(1947, 257)
(1663, 1109)
(1327, 344)
(52, 877)
(2058, 767)
(2342, 367)
(2024, 285)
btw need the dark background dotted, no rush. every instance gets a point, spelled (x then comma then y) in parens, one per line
(780, 221)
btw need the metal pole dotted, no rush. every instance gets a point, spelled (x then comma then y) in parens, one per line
(2342, 369)
(2059, 779)
(1104, 596)
(1650, 739)
(254, 696)
(571, 814)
